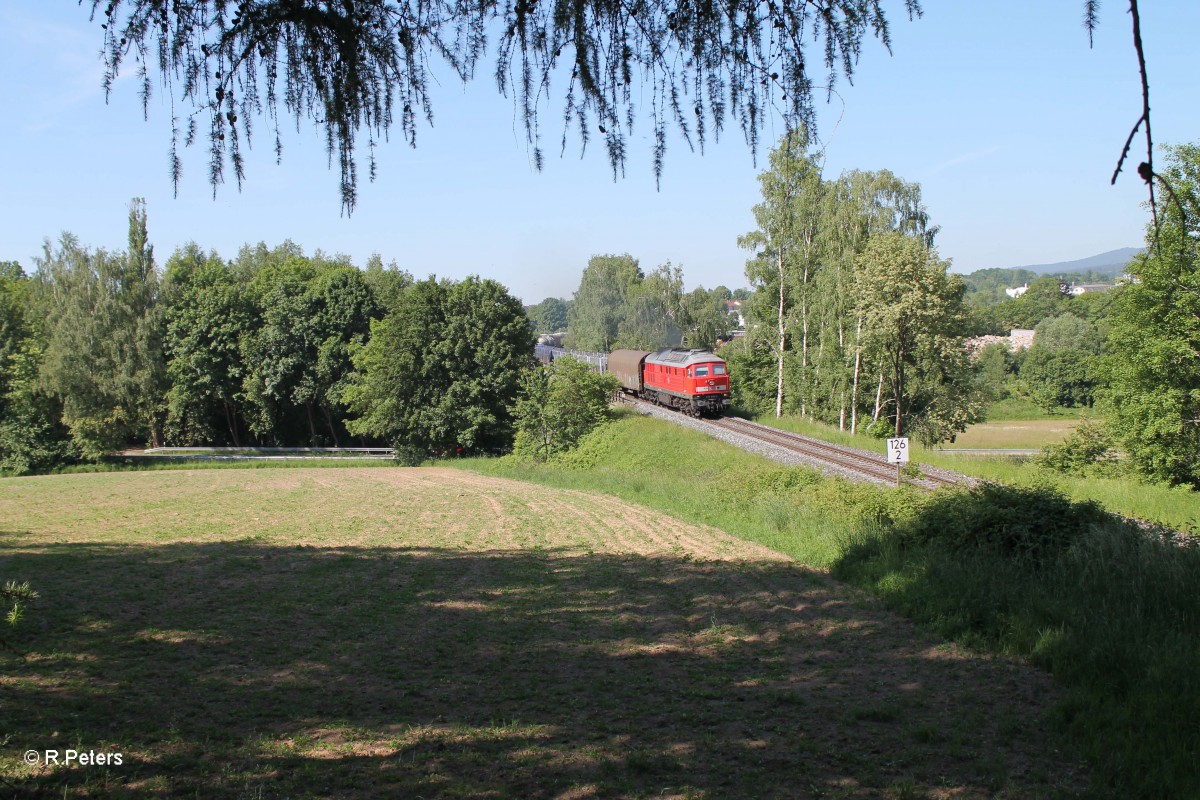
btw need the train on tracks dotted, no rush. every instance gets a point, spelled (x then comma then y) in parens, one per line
(695, 382)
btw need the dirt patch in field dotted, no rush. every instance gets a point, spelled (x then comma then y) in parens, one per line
(430, 632)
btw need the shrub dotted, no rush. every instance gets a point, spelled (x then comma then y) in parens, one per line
(1018, 523)
(14, 598)
(1088, 445)
(559, 405)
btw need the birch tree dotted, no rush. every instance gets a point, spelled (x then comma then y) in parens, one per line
(913, 312)
(785, 255)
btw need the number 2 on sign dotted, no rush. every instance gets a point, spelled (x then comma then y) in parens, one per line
(897, 451)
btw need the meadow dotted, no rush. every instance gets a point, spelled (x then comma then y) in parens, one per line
(433, 632)
(1023, 572)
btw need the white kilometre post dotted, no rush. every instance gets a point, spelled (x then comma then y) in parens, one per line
(897, 453)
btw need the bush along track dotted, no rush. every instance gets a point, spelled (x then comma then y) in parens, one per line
(1107, 607)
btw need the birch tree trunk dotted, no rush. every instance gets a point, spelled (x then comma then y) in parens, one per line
(782, 332)
(854, 384)
(878, 392)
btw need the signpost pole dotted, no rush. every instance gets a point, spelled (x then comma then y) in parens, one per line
(897, 453)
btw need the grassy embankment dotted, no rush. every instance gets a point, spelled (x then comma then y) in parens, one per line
(1013, 427)
(375, 633)
(1026, 573)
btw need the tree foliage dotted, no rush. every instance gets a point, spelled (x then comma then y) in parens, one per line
(1153, 369)
(32, 436)
(273, 347)
(441, 373)
(368, 66)
(808, 307)
(550, 315)
(104, 327)
(1043, 299)
(600, 305)
(298, 359)
(785, 245)
(912, 317)
(559, 405)
(1061, 369)
(209, 314)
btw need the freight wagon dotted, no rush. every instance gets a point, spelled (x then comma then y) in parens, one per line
(693, 381)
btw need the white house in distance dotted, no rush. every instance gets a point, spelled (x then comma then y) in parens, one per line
(1074, 289)
(1084, 288)
(734, 307)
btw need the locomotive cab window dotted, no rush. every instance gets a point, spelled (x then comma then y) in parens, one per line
(701, 372)
(718, 369)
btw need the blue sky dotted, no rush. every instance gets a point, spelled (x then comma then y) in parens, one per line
(1002, 113)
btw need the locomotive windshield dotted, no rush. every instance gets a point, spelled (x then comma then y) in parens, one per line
(701, 372)
(718, 369)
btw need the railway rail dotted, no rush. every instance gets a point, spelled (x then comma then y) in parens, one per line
(848, 462)
(869, 464)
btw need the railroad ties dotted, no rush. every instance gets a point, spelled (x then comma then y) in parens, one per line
(847, 462)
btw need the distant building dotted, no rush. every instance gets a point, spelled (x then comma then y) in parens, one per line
(734, 308)
(1017, 339)
(1020, 339)
(1083, 288)
(1063, 287)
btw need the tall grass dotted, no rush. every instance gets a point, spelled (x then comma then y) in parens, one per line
(1024, 571)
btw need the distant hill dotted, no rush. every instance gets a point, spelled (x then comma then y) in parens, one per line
(1113, 261)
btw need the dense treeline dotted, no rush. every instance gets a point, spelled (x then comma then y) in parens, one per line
(101, 351)
(619, 306)
(854, 318)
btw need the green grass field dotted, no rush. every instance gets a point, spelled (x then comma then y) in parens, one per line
(294, 633)
(1174, 507)
(651, 616)
(1107, 610)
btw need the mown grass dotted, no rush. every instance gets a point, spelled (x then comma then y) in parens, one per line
(1021, 434)
(1109, 611)
(705, 481)
(1019, 408)
(288, 633)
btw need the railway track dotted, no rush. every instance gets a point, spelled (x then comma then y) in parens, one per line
(871, 465)
(847, 462)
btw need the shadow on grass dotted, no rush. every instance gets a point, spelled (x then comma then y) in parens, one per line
(247, 670)
(1111, 609)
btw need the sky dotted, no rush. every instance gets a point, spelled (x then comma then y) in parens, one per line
(1001, 111)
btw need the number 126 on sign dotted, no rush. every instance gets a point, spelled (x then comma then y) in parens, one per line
(897, 451)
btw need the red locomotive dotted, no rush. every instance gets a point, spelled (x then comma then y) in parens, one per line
(693, 381)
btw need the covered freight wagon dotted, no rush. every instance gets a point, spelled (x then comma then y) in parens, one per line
(627, 366)
(693, 381)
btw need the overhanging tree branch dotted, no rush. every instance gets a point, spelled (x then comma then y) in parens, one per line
(345, 65)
